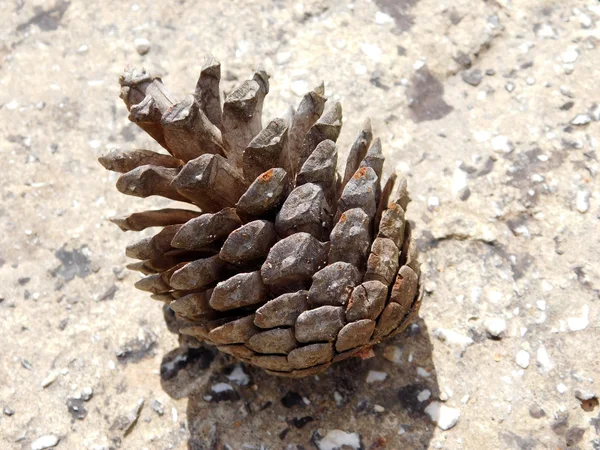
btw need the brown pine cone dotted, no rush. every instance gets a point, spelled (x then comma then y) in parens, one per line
(280, 261)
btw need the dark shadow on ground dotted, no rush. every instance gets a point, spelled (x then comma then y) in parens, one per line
(278, 413)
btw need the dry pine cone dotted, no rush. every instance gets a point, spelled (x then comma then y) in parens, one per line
(280, 261)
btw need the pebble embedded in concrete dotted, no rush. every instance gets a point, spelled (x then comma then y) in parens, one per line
(443, 416)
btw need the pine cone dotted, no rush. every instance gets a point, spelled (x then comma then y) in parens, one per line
(280, 261)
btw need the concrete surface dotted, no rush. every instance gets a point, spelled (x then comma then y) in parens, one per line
(491, 109)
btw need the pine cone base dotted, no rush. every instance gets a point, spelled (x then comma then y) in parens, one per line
(280, 261)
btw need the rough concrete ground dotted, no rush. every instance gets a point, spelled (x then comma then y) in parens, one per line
(491, 110)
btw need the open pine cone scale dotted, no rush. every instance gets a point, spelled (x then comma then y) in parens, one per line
(279, 261)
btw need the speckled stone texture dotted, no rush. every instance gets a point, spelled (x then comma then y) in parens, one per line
(489, 108)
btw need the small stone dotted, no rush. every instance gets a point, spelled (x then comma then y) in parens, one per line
(382, 18)
(443, 416)
(453, 338)
(472, 77)
(87, 393)
(222, 392)
(495, 326)
(238, 376)
(50, 378)
(338, 439)
(583, 201)
(584, 395)
(543, 359)
(566, 91)
(581, 119)
(157, 407)
(433, 203)
(430, 286)
(522, 359)
(8, 411)
(47, 441)
(536, 411)
(375, 376)
(509, 87)
(460, 187)
(545, 31)
(393, 354)
(501, 144)
(142, 46)
(581, 322)
(424, 395)
(561, 388)
(570, 55)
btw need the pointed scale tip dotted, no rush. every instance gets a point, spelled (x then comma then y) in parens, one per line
(367, 126)
(262, 77)
(320, 89)
(211, 66)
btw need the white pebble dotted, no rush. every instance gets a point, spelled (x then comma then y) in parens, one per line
(423, 373)
(509, 87)
(238, 376)
(382, 18)
(495, 326)
(217, 388)
(581, 322)
(541, 304)
(371, 50)
(453, 338)
(433, 202)
(393, 354)
(561, 388)
(581, 119)
(501, 144)
(50, 378)
(142, 45)
(424, 395)
(336, 439)
(378, 408)
(523, 359)
(443, 416)
(12, 104)
(459, 183)
(48, 441)
(583, 201)
(375, 376)
(546, 32)
(430, 286)
(543, 359)
(570, 55)
(566, 91)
